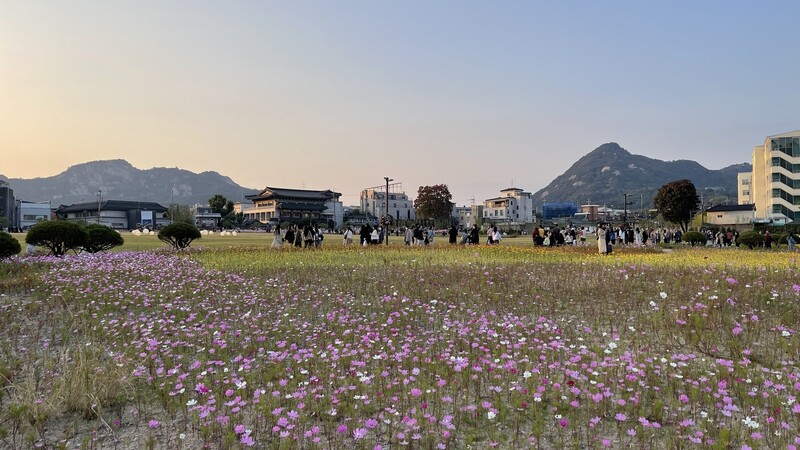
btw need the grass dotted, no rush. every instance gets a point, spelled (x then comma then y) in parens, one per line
(506, 346)
(247, 239)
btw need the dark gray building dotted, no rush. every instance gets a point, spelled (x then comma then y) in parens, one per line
(117, 214)
(8, 206)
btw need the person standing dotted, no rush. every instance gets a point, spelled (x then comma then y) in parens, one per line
(289, 237)
(278, 240)
(474, 235)
(791, 242)
(364, 234)
(602, 246)
(453, 234)
(348, 236)
(408, 237)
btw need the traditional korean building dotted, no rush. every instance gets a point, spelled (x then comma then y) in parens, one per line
(282, 205)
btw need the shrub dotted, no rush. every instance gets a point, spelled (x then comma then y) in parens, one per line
(57, 236)
(9, 246)
(751, 239)
(179, 234)
(101, 238)
(694, 238)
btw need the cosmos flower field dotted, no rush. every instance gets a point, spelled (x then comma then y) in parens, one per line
(423, 348)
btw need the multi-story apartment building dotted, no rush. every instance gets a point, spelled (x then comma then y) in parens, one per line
(467, 216)
(775, 180)
(744, 180)
(373, 201)
(514, 206)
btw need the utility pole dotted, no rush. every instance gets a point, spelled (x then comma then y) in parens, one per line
(625, 210)
(386, 215)
(99, 199)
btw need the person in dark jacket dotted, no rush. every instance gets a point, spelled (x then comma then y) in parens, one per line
(473, 235)
(453, 234)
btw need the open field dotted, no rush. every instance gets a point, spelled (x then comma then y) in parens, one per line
(249, 239)
(445, 347)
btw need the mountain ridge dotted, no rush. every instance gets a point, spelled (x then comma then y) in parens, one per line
(603, 175)
(120, 180)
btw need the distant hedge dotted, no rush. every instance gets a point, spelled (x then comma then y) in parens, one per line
(58, 236)
(751, 239)
(101, 238)
(694, 238)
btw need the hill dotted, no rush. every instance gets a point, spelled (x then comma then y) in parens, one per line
(602, 177)
(119, 180)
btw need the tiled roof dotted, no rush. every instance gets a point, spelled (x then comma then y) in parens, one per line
(729, 208)
(113, 205)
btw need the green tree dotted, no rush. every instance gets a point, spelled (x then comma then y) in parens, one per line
(751, 239)
(219, 204)
(694, 238)
(58, 236)
(180, 213)
(9, 245)
(235, 220)
(677, 201)
(101, 238)
(433, 202)
(179, 234)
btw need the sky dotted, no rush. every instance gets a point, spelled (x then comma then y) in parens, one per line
(477, 95)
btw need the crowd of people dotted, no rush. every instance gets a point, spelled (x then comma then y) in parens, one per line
(606, 236)
(301, 236)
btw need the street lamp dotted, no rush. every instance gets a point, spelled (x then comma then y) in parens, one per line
(386, 212)
(99, 199)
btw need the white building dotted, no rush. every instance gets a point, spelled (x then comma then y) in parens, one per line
(31, 213)
(373, 201)
(514, 206)
(775, 180)
(744, 180)
(737, 216)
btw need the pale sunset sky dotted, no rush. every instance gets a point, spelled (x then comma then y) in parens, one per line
(338, 94)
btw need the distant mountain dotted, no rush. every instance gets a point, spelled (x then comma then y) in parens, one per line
(605, 174)
(119, 180)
